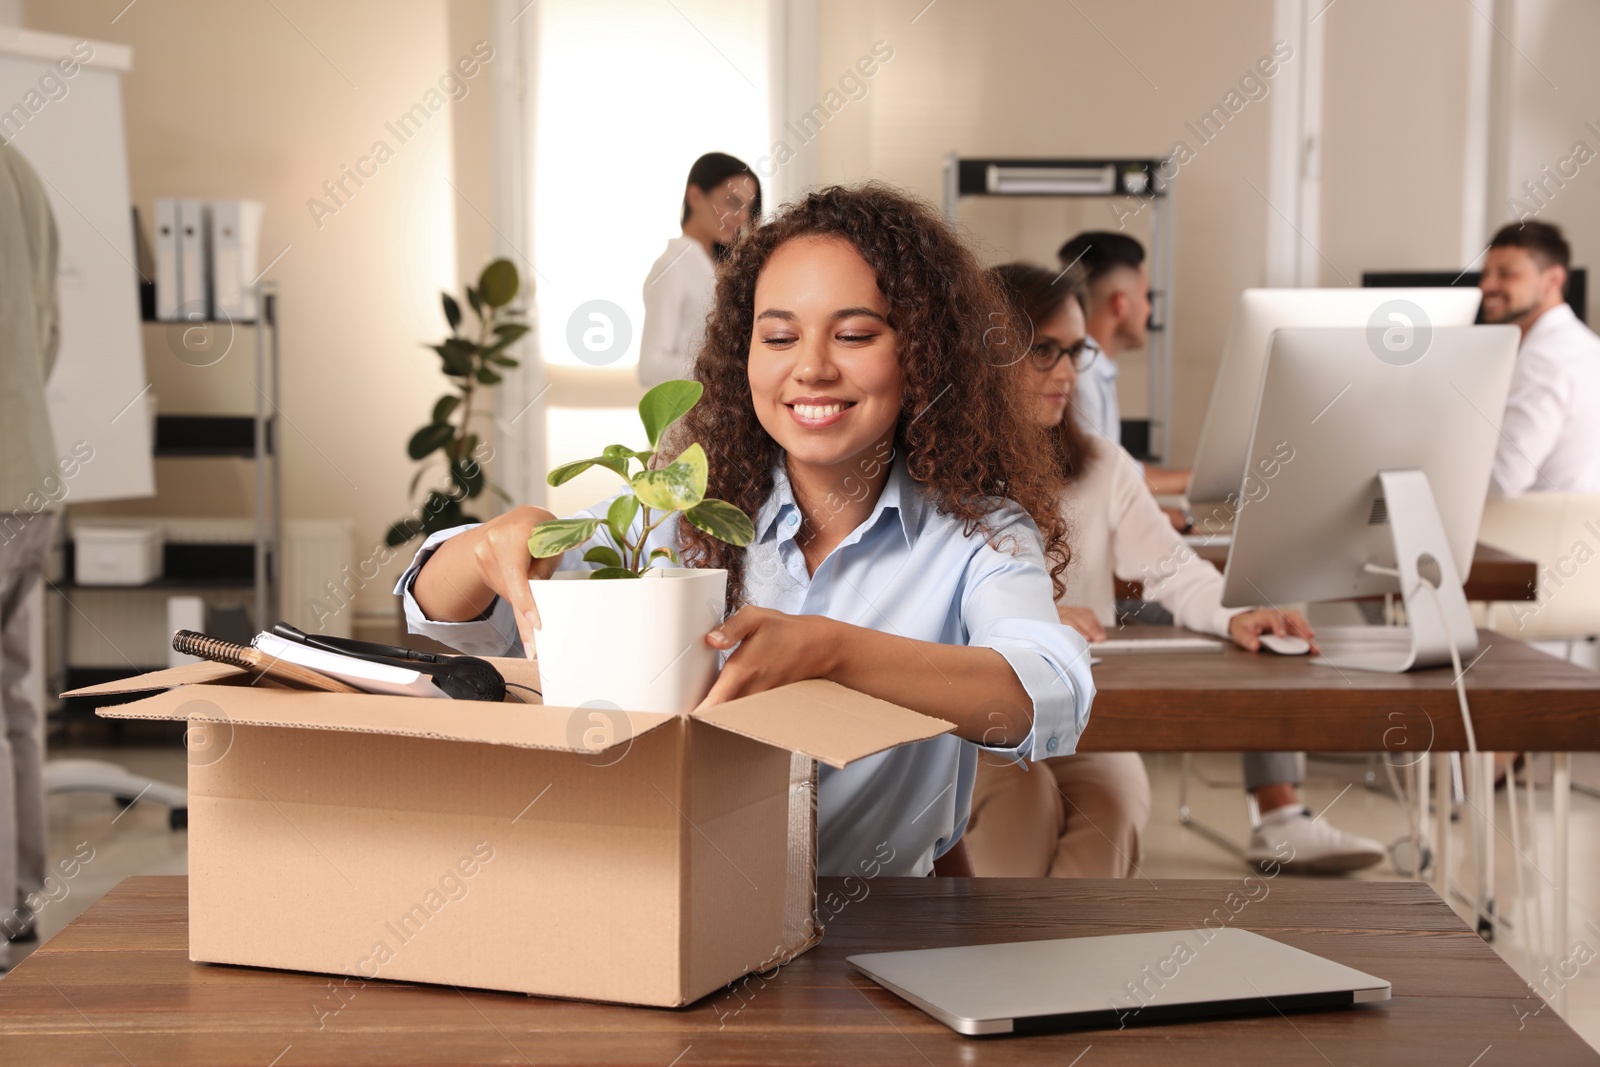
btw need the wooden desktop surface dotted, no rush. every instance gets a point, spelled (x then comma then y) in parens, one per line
(116, 987)
(1233, 700)
(1496, 574)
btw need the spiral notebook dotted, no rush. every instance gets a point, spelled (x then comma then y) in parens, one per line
(257, 662)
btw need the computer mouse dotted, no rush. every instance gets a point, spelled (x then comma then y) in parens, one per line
(1284, 645)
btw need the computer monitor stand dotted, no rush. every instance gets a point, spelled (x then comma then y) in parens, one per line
(1436, 605)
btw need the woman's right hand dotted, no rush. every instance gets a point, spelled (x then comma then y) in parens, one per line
(1082, 620)
(468, 571)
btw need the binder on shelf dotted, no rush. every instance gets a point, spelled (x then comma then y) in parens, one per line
(169, 291)
(193, 277)
(235, 244)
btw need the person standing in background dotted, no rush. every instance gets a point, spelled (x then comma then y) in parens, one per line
(29, 333)
(720, 197)
(1548, 440)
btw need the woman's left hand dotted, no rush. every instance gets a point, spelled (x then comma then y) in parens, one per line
(1247, 627)
(774, 649)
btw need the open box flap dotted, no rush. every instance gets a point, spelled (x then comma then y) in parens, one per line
(823, 720)
(582, 730)
(187, 674)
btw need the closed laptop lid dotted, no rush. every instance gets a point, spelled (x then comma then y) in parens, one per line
(1115, 981)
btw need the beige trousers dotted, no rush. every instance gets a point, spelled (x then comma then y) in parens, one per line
(1076, 816)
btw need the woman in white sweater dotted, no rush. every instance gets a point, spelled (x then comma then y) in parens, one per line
(1084, 818)
(720, 197)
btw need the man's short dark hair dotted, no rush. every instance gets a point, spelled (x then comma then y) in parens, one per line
(1542, 240)
(1100, 252)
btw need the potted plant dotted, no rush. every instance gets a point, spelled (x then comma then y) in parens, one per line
(470, 361)
(631, 634)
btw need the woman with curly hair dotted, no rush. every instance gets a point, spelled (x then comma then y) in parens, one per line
(859, 405)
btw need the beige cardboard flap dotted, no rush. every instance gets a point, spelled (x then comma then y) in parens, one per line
(582, 730)
(187, 674)
(824, 720)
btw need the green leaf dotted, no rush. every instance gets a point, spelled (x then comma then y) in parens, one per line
(680, 484)
(401, 532)
(666, 404)
(476, 300)
(503, 361)
(499, 283)
(445, 407)
(488, 377)
(555, 536)
(604, 555)
(621, 455)
(452, 311)
(671, 556)
(722, 520)
(509, 332)
(467, 474)
(441, 512)
(430, 438)
(568, 471)
(458, 356)
(619, 517)
(611, 572)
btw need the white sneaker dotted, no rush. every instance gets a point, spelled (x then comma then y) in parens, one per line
(1289, 838)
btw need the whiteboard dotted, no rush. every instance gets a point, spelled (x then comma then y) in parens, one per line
(98, 391)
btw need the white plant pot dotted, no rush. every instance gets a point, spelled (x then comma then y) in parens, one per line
(635, 645)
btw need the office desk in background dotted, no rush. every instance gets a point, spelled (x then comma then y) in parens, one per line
(1237, 701)
(116, 986)
(1496, 574)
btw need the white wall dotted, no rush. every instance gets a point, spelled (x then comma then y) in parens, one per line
(269, 101)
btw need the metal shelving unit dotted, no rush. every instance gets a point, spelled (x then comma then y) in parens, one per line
(1137, 178)
(196, 567)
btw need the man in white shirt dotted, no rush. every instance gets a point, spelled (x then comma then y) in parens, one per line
(1118, 320)
(1549, 441)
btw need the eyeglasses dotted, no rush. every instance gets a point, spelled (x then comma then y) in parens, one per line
(1045, 354)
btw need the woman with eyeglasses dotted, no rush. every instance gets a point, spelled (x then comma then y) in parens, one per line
(1085, 816)
(721, 197)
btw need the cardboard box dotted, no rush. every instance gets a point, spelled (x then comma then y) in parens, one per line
(588, 853)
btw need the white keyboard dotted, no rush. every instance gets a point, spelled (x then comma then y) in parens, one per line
(1156, 644)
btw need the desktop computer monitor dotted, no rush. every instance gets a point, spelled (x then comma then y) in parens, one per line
(1219, 459)
(1368, 470)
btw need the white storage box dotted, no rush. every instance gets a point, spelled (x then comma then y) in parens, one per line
(116, 555)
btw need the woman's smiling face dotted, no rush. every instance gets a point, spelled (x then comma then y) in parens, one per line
(824, 368)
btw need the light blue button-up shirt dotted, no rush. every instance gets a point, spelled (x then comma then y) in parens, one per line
(909, 571)
(1094, 399)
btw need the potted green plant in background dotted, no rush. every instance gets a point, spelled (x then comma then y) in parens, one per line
(470, 361)
(630, 634)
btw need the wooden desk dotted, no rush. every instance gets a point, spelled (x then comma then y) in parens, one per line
(1231, 701)
(117, 987)
(1496, 574)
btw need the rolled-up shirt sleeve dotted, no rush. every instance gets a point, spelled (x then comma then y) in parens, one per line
(1009, 606)
(493, 633)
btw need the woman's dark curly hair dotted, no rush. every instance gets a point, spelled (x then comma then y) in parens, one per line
(965, 430)
(1039, 296)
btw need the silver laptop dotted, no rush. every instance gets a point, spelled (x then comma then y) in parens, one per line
(1116, 981)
